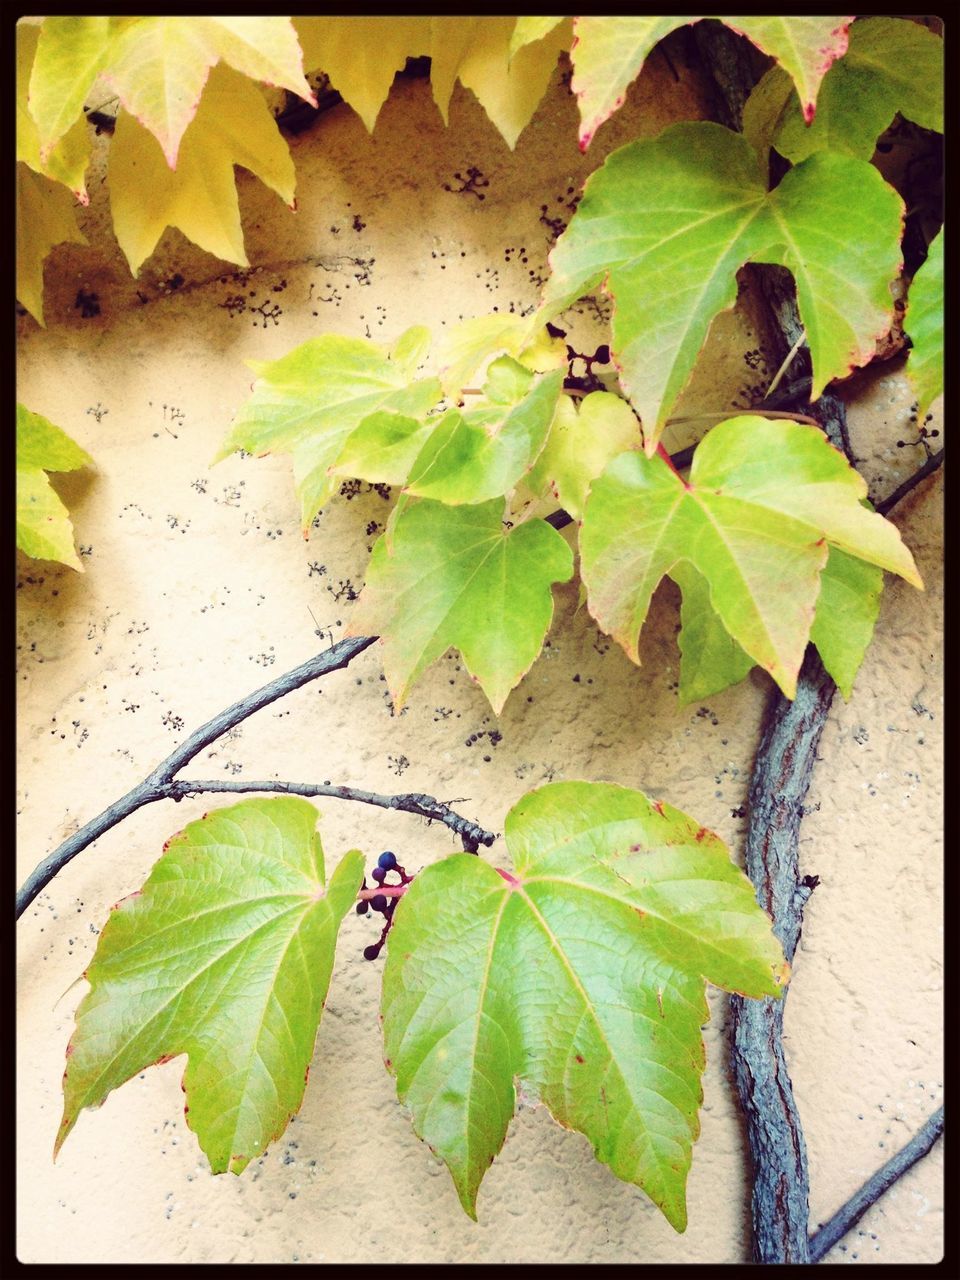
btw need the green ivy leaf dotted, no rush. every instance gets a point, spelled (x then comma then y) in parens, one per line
(665, 225)
(609, 53)
(924, 323)
(892, 65)
(311, 400)
(710, 658)
(763, 501)
(580, 445)
(473, 455)
(224, 955)
(383, 448)
(581, 976)
(44, 530)
(455, 577)
(846, 611)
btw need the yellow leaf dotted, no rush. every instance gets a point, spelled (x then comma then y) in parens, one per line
(508, 89)
(159, 66)
(362, 55)
(233, 126)
(45, 217)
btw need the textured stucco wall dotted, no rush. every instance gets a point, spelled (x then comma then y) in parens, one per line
(198, 588)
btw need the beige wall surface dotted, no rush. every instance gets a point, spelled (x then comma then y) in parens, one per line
(198, 588)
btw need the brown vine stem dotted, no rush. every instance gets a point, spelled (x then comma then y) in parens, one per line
(781, 777)
(161, 785)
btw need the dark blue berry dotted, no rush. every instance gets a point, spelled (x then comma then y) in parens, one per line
(379, 903)
(378, 874)
(387, 860)
(362, 908)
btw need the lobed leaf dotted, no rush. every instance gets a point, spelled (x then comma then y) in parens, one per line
(580, 978)
(362, 56)
(892, 66)
(159, 66)
(44, 530)
(924, 323)
(473, 455)
(666, 224)
(846, 611)
(763, 502)
(310, 401)
(580, 444)
(225, 955)
(609, 52)
(233, 125)
(455, 577)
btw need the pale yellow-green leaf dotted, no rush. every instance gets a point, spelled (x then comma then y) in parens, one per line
(199, 197)
(575, 981)
(44, 530)
(361, 55)
(411, 348)
(65, 162)
(45, 218)
(465, 348)
(580, 445)
(805, 47)
(225, 955)
(69, 57)
(311, 400)
(383, 448)
(476, 454)
(158, 67)
(847, 609)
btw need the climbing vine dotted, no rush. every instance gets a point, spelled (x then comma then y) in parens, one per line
(576, 971)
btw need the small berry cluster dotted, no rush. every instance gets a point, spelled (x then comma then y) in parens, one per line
(382, 902)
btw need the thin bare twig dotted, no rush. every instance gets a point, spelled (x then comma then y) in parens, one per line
(415, 802)
(847, 1217)
(160, 784)
(931, 465)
